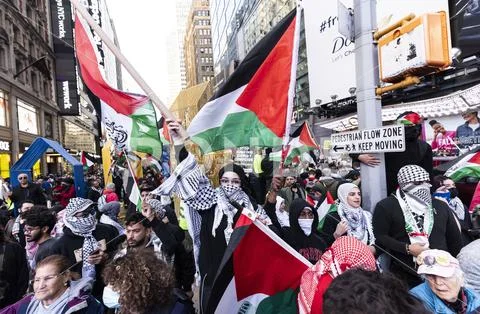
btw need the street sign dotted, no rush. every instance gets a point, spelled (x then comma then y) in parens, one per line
(381, 140)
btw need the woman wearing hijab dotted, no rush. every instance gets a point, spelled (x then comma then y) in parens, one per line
(345, 253)
(302, 234)
(55, 293)
(213, 212)
(349, 219)
(446, 191)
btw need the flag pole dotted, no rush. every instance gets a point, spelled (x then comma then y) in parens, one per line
(293, 80)
(130, 69)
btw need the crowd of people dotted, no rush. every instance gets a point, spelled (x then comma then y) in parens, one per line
(417, 252)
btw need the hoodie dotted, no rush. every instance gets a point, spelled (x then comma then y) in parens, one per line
(311, 247)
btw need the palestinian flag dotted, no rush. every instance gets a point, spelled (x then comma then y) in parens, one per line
(252, 107)
(260, 273)
(328, 206)
(87, 159)
(129, 119)
(302, 141)
(468, 166)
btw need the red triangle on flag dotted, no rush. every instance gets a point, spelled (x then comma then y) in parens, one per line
(475, 158)
(252, 277)
(306, 137)
(267, 92)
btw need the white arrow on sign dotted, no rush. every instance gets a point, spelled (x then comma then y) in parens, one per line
(381, 140)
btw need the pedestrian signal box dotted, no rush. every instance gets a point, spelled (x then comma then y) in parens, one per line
(419, 47)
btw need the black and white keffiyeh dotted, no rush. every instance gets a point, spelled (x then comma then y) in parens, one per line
(157, 206)
(82, 227)
(409, 179)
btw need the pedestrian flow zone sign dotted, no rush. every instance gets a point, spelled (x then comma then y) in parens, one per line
(381, 140)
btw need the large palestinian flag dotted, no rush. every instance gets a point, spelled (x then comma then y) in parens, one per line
(468, 166)
(260, 273)
(129, 119)
(251, 108)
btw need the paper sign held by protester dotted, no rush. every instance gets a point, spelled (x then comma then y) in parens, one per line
(380, 140)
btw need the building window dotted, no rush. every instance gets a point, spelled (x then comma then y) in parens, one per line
(33, 81)
(3, 108)
(27, 117)
(3, 57)
(46, 89)
(48, 126)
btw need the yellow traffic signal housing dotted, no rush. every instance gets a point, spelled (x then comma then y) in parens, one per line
(419, 47)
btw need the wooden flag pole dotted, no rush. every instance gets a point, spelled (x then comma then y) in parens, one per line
(130, 69)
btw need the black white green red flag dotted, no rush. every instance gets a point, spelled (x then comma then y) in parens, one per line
(252, 107)
(130, 119)
(260, 273)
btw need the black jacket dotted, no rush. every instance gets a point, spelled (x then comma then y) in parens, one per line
(329, 226)
(417, 152)
(15, 273)
(172, 244)
(389, 229)
(69, 242)
(312, 246)
(33, 192)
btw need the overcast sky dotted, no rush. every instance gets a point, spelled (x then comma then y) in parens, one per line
(142, 27)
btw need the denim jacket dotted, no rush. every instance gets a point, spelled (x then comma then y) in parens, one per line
(465, 131)
(434, 304)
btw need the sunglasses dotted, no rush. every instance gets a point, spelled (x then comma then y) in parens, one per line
(87, 212)
(22, 178)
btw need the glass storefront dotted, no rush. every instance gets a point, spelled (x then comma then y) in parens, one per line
(27, 117)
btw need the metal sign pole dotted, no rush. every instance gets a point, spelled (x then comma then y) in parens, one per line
(374, 186)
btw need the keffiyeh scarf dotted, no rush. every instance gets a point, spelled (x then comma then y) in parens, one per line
(345, 253)
(82, 227)
(359, 223)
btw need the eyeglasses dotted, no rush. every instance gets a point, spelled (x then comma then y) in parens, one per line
(22, 178)
(45, 278)
(236, 182)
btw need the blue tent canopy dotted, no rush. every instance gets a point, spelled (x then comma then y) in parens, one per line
(35, 152)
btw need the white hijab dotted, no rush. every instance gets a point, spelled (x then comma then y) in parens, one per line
(359, 220)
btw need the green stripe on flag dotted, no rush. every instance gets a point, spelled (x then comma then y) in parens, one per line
(284, 302)
(467, 171)
(238, 129)
(145, 137)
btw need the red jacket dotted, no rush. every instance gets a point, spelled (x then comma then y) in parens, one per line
(66, 195)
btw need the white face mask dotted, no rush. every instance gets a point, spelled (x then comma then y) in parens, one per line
(110, 298)
(306, 225)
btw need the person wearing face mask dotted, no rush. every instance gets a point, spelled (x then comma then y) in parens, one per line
(417, 152)
(446, 191)
(349, 218)
(213, 212)
(444, 288)
(411, 221)
(86, 243)
(302, 234)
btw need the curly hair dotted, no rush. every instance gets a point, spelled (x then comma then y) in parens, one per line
(40, 216)
(358, 291)
(142, 280)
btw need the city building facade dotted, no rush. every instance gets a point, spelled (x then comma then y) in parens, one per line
(27, 95)
(198, 44)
